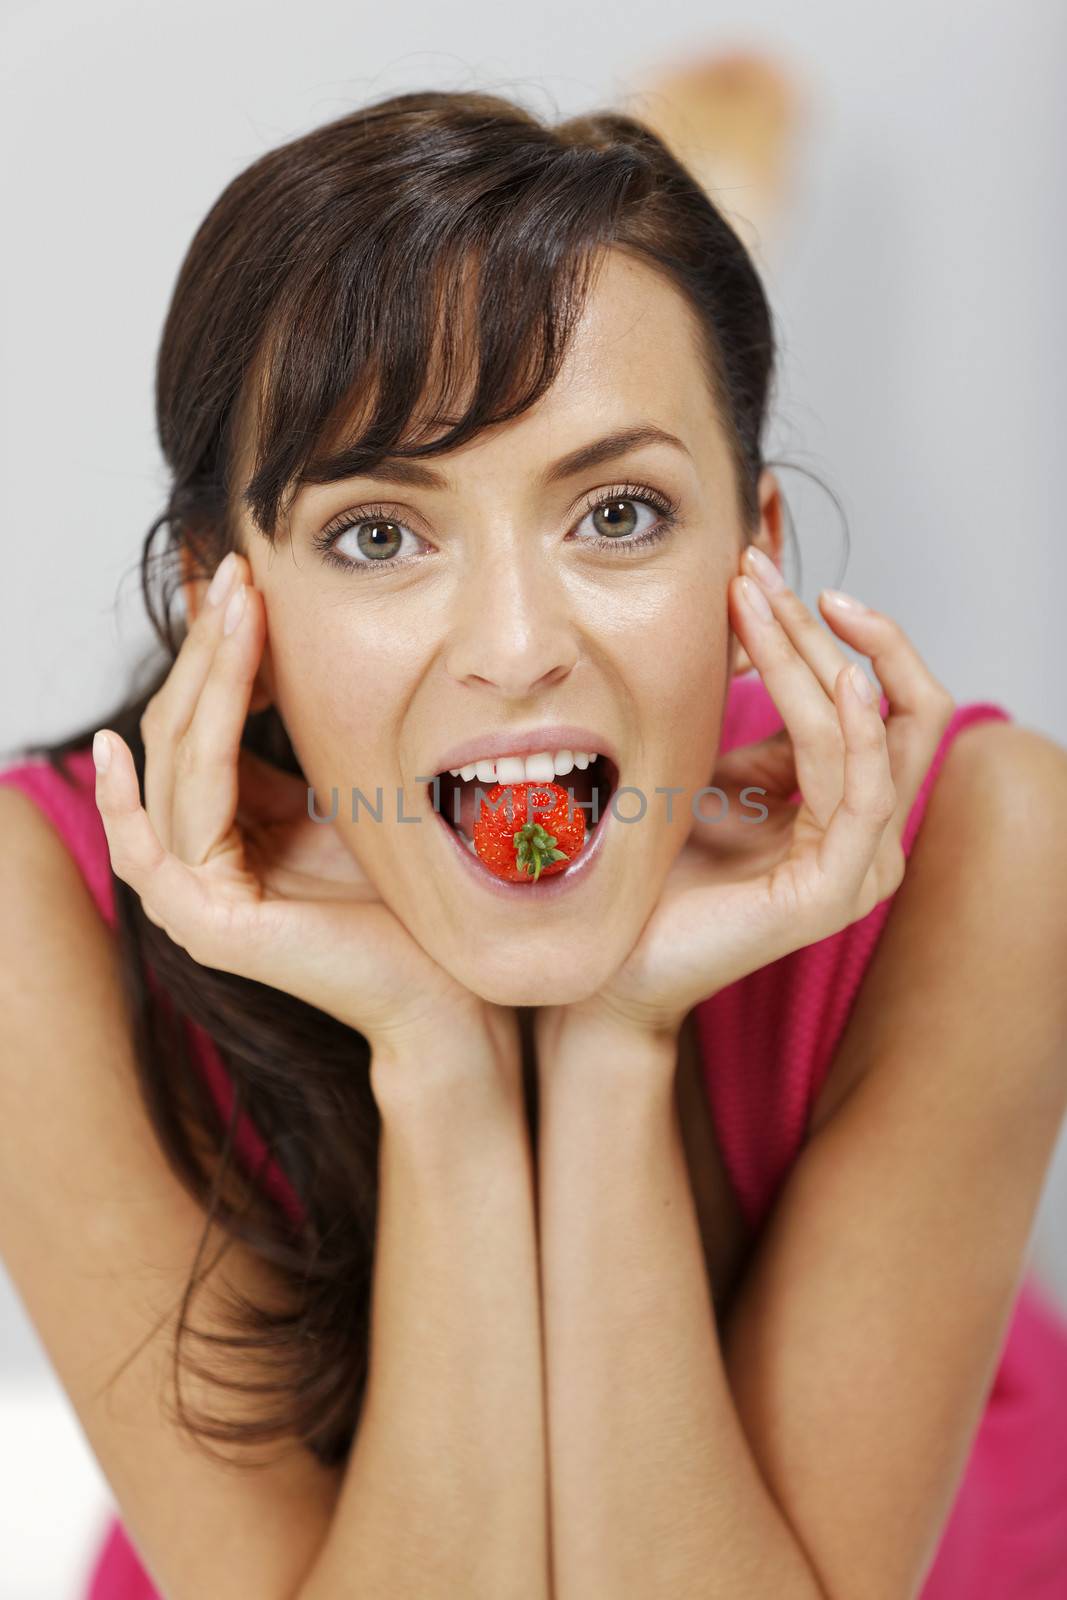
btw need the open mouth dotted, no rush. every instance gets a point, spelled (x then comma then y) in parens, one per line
(590, 789)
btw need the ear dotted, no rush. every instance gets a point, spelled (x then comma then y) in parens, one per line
(768, 538)
(194, 588)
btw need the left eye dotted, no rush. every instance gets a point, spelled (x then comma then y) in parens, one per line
(617, 518)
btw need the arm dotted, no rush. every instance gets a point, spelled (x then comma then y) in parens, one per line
(99, 1237)
(819, 1451)
(863, 1346)
(445, 1489)
(655, 1491)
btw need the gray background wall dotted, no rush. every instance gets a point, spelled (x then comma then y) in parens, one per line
(919, 298)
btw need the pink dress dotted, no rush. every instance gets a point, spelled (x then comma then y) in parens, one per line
(768, 1041)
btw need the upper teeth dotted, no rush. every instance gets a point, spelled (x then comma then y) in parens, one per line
(541, 767)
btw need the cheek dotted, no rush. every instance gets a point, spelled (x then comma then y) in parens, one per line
(678, 665)
(335, 688)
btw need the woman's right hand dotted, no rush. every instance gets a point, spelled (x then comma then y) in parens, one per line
(226, 859)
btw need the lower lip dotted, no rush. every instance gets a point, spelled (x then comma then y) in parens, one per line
(550, 888)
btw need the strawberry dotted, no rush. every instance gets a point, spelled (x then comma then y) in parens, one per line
(522, 851)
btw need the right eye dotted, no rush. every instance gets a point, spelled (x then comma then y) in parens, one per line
(368, 538)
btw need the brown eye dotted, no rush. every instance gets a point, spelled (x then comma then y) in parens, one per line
(368, 540)
(615, 524)
(379, 539)
(615, 518)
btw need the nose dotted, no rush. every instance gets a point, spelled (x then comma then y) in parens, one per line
(511, 630)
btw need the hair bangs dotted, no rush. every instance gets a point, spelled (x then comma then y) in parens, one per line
(426, 324)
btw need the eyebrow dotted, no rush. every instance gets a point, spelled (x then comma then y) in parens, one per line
(398, 469)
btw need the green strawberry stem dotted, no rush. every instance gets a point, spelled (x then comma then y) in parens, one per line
(534, 846)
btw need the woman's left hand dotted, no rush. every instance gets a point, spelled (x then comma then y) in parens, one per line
(743, 891)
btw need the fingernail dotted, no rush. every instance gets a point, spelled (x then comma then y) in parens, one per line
(101, 752)
(235, 610)
(846, 602)
(763, 568)
(222, 582)
(756, 600)
(861, 683)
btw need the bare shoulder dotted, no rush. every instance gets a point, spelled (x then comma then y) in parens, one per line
(33, 857)
(994, 835)
(49, 916)
(100, 1236)
(1008, 759)
(982, 908)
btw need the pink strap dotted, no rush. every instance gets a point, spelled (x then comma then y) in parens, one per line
(72, 812)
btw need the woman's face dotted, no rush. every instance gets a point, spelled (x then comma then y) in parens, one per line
(456, 613)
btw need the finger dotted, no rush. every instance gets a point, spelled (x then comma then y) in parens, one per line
(851, 841)
(809, 716)
(171, 708)
(819, 649)
(169, 893)
(920, 708)
(204, 802)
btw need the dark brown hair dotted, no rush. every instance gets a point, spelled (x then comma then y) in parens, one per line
(442, 232)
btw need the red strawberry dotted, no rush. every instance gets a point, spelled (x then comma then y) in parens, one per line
(522, 851)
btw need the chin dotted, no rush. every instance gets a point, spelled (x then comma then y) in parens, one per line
(557, 981)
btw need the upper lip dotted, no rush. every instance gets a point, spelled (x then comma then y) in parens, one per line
(558, 736)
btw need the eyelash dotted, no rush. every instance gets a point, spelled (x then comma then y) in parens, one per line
(639, 493)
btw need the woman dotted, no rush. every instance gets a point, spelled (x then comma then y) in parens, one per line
(518, 1234)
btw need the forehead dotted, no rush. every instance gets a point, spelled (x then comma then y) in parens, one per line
(635, 354)
(637, 330)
